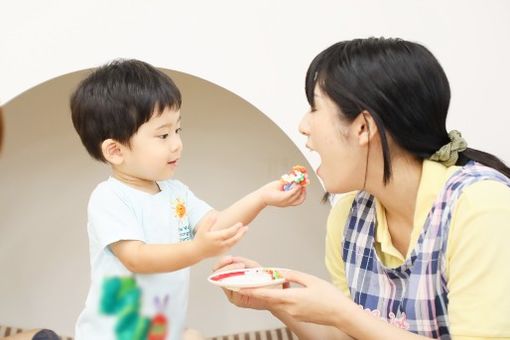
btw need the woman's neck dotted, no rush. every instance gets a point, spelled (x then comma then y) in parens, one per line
(398, 198)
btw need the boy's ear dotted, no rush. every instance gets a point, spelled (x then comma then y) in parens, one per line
(112, 151)
(365, 127)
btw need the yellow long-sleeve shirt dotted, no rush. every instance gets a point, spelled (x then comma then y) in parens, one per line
(478, 251)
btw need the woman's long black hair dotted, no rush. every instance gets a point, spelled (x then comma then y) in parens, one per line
(404, 88)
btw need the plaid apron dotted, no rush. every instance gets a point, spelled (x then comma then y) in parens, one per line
(413, 296)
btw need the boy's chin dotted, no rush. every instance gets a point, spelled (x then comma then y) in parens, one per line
(165, 177)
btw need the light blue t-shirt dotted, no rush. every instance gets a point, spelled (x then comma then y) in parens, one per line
(120, 302)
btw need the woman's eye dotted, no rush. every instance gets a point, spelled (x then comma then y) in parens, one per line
(165, 136)
(178, 130)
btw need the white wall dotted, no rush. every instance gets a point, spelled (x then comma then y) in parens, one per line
(230, 148)
(258, 50)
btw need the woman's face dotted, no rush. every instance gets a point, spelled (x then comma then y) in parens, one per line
(343, 160)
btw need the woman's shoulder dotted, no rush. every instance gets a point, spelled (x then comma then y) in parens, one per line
(485, 194)
(480, 216)
(340, 210)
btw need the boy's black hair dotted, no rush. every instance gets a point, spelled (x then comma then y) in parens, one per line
(116, 99)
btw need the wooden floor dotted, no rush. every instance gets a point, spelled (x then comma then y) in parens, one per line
(274, 334)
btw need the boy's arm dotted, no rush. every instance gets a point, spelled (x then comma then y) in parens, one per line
(140, 257)
(248, 207)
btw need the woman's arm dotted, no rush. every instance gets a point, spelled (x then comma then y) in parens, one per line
(320, 303)
(303, 330)
(310, 331)
(477, 263)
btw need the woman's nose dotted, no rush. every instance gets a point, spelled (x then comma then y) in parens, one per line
(303, 127)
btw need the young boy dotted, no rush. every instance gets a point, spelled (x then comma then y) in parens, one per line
(145, 230)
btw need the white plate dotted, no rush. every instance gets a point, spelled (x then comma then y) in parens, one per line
(236, 279)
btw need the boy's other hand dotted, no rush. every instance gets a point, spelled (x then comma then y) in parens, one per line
(272, 194)
(211, 243)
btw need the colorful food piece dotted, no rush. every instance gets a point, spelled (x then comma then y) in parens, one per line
(297, 175)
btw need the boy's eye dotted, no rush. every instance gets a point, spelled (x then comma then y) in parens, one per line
(178, 130)
(165, 136)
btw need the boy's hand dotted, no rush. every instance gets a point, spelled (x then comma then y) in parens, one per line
(272, 194)
(211, 243)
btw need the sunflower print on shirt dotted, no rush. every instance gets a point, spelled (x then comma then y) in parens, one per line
(180, 213)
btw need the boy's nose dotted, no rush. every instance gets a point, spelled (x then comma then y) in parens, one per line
(176, 145)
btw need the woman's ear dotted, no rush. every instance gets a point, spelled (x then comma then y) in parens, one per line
(113, 151)
(365, 126)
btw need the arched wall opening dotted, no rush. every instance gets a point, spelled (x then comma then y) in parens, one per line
(230, 148)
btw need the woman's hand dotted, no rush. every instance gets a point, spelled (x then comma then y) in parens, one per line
(292, 305)
(243, 301)
(316, 301)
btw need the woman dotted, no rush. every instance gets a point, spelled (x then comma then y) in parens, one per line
(417, 245)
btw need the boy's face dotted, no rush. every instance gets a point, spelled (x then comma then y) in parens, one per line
(155, 148)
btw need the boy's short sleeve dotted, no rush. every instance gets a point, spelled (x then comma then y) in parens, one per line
(111, 219)
(197, 208)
